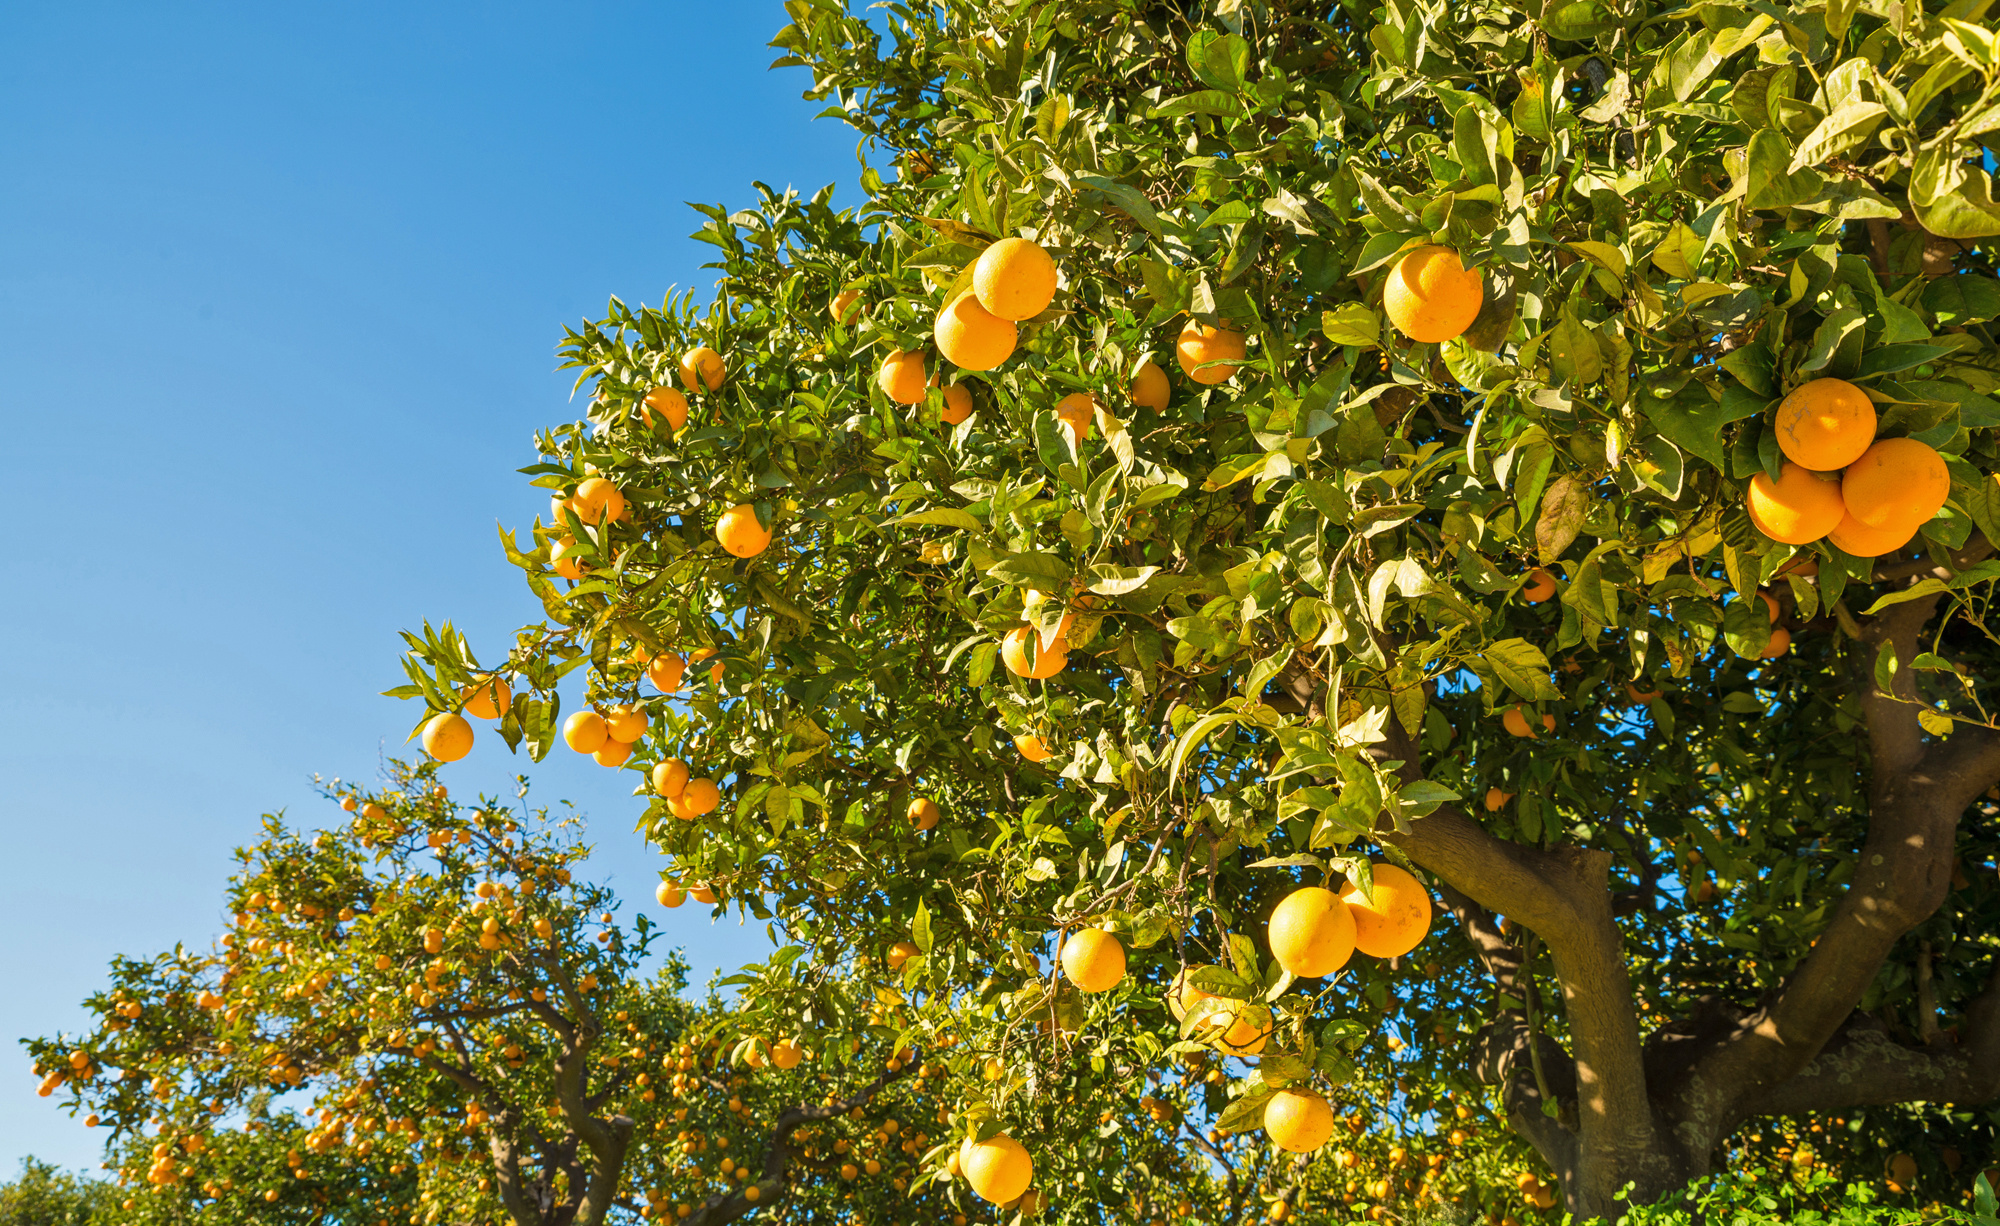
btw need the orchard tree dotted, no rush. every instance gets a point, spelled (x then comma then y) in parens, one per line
(1252, 447)
(422, 1016)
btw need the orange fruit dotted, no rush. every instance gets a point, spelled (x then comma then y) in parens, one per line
(1200, 344)
(1311, 932)
(1250, 1028)
(1397, 921)
(1077, 410)
(1897, 483)
(786, 1053)
(740, 532)
(585, 731)
(701, 367)
(1516, 722)
(1032, 749)
(702, 892)
(1541, 585)
(1638, 696)
(902, 377)
(998, 1168)
(924, 813)
(1781, 642)
(1014, 279)
(901, 952)
(1093, 960)
(1798, 508)
(562, 556)
(957, 404)
(625, 723)
(597, 500)
(971, 336)
(1183, 996)
(669, 404)
(665, 671)
(1150, 389)
(1496, 799)
(1299, 1121)
(612, 753)
(1431, 296)
(486, 699)
(670, 778)
(669, 893)
(698, 798)
(1825, 424)
(447, 737)
(1024, 655)
(1856, 538)
(846, 306)
(714, 673)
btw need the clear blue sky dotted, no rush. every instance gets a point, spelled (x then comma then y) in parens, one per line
(279, 292)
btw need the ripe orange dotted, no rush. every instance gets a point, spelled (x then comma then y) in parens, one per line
(1250, 1028)
(1024, 655)
(1638, 696)
(902, 377)
(699, 797)
(1094, 960)
(1311, 932)
(740, 532)
(1496, 799)
(846, 306)
(1541, 585)
(1397, 921)
(1032, 749)
(715, 672)
(562, 556)
(1150, 389)
(901, 952)
(1299, 1121)
(1077, 410)
(447, 737)
(998, 1168)
(1200, 344)
(702, 892)
(597, 500)
(612, 752)
(585, 731)
(1825, 424)
(1431, 296)
(669, 404)
(957, 404)
(971, 336)
(1897, 483)
(924, 813)
(1781, 642)
(1856, 538)
(665, 671)
(670, 778)
(701, 365)
(669, 893)
(1798, 508)
(1183, 995)
(786, 1053)
(486, 699)
(625, 723)
(1516, 722)
(1014, 279)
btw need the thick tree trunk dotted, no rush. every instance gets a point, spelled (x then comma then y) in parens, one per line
(1651, 1113)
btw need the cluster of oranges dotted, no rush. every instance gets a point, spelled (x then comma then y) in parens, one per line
(1867, 496)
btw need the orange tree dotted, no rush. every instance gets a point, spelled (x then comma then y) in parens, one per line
(420, 1015)
(1548, 447)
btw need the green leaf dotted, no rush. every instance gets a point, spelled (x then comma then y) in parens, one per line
(1109, 580)
(1963, 298)
(1191, 739)
(945, 517)
(1952, 197)
(1773, 184)
(1221, 60)
(1352, 324)
(1041, 571)
(1678, 253)
(1849, 126)
(1522, 668)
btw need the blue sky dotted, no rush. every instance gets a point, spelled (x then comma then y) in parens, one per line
(279, 295)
